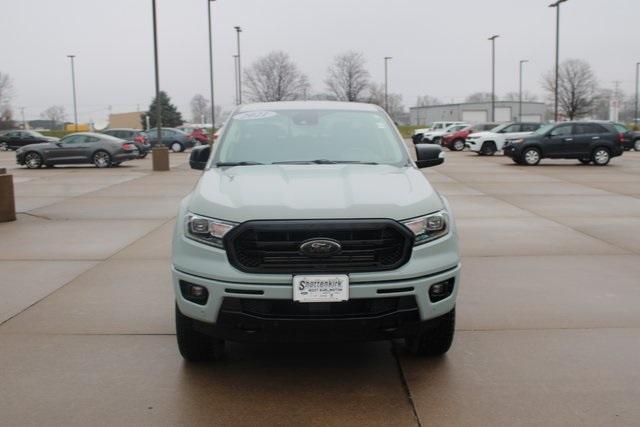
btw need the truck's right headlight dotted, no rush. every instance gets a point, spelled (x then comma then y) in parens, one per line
(429, 227)
(205, 230)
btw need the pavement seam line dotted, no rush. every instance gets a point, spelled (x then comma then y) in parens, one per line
(100, 262)
(404, 383)
(497, 197)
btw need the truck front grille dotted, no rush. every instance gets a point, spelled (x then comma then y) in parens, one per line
(274, 246)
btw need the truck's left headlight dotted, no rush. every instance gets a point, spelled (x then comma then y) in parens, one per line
(205, 230)
(429, 227)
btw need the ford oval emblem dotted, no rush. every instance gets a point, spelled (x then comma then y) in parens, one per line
(319, 248)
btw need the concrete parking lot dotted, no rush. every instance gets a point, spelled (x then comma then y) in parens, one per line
(548, 315)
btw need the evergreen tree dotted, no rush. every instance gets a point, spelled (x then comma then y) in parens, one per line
(171, 117)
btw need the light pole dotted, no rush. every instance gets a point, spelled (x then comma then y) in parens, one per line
(73, 84)
(635, 116)
(159, 154)
(238, 31)
(235, 68)
(555, 87)
(522, 61)
(213, 104)
(386, 84)
(493, 76)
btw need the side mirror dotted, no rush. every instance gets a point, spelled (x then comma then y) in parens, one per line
(58, 143)
(428, 155)
(199, 157)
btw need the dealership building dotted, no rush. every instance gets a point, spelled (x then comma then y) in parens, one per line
(477, 112)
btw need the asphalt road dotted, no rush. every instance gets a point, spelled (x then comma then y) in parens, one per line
(548, 313)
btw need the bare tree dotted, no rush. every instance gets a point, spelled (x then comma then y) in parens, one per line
(275, 77)
(426, 100)
(199, 109)
(6, 89)
(55, 113)
(6, 118)
(515, 96)
(376, 96)
(480, 97)
(577, 87)
(347, 77)
(6, 93)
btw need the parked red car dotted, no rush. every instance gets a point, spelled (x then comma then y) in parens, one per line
(199, 135)
(196, 133)
(454, 141)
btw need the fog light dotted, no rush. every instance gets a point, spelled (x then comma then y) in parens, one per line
(441, 290)
(194, 293)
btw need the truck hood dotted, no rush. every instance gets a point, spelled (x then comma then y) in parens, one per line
(246, 193)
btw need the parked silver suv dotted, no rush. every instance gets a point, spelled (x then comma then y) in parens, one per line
(311, 222)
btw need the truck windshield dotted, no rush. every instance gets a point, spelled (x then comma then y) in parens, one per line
(310, 137)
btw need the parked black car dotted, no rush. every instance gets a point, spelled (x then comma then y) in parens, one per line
(588, 142)
(174, 139)
(134, 135)
(77, 148)
(630, 138)
(14, 139)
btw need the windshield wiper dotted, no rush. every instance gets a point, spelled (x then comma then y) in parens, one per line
(305, 162)
(322, 162)
(221, 164)
(355, 162)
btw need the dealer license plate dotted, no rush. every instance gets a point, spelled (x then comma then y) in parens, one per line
(316, 288)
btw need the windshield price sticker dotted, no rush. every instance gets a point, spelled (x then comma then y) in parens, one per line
(321, 288)
(254, 115)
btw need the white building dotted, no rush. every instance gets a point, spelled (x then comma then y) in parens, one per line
(477, 112)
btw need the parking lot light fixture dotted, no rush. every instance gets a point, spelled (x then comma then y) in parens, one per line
(73, 85)
(159, 154)
(635, 116)
(386, 84)
(213, 104)
(493, 76)
(557, 71)
(238, 31)
(235, 69)
(522, 61)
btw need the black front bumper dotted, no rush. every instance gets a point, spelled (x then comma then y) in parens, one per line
(246, 320)
(510, 150)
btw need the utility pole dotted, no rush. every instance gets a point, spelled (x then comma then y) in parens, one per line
(213, 104)
(522, 61)
(493, 76)
(238, 31)
(555, 88)
(24, 122)
(386, 84)
(73, 84)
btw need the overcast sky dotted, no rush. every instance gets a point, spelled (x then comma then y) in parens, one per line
(439, 47)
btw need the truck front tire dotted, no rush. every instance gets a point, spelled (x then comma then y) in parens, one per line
(436, 341)
(195, 346)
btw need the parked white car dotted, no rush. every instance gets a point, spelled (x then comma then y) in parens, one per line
(435, 126)
(434, 136)
(488, 143)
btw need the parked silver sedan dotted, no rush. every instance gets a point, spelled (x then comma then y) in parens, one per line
(78, 148)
